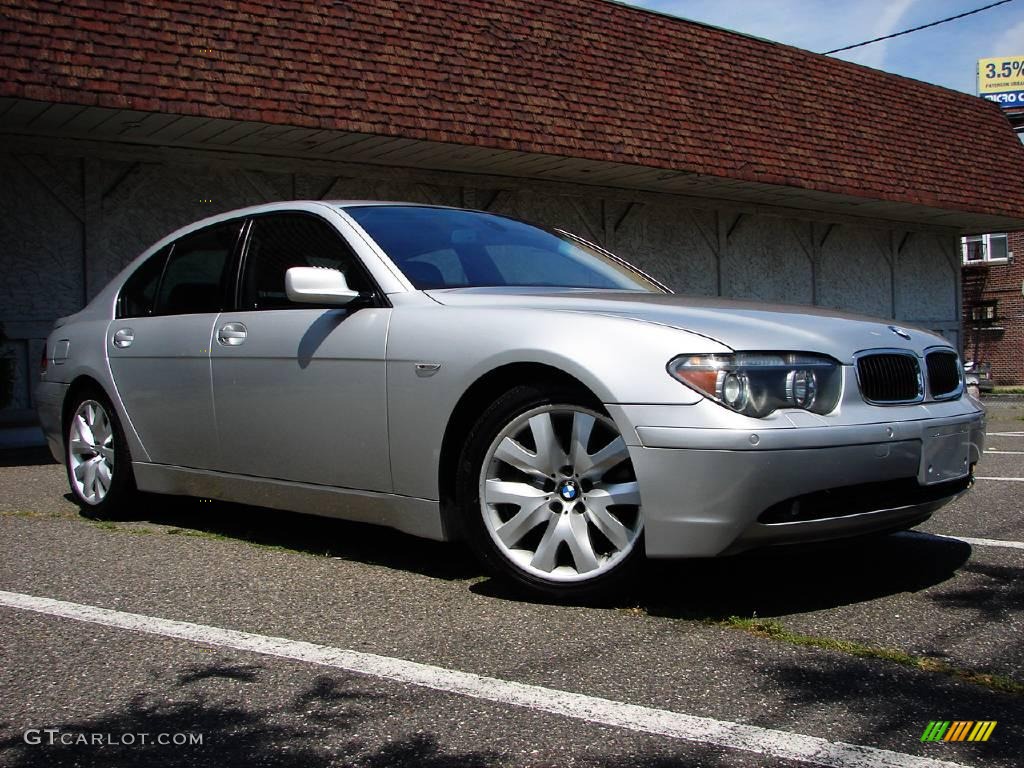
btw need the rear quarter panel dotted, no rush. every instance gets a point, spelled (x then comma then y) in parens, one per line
(86, 338)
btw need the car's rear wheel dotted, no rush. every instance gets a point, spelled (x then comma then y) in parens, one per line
(549, 494)
(96, 456)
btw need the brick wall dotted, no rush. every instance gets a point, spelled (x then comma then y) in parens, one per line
(1001, 344)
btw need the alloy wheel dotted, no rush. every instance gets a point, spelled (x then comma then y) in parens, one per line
(91, 452)
(558, 494)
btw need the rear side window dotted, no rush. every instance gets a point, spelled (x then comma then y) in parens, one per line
(193, 281)
(139, 290)
(283, 240)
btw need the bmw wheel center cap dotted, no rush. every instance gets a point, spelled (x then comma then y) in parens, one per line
(569, 490)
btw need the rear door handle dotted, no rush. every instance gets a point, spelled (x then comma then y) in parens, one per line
(123, 337)
(231, 334)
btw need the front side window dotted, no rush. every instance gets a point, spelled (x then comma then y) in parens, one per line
(449, 248)
(139, 290)
(283, 240)
(194, 278)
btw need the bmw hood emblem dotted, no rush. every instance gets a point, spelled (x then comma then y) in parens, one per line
(899, 332)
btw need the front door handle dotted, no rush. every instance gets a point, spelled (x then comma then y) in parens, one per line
(231, 334)
(123, 337)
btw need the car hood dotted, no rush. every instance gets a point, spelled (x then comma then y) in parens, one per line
(740, 325)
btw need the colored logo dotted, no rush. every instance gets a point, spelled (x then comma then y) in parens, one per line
(569, 490)
(958, 730)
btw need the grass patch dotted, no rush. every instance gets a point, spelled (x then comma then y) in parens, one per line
(198, 533)
(107, 525)
(1016, 389)
(775, 630)
(30, 513)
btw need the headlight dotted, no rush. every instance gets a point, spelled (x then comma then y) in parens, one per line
(758, 383)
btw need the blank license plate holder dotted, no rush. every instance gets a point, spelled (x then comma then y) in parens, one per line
(945, 454)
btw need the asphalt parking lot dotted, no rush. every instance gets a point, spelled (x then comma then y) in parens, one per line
(278, 639)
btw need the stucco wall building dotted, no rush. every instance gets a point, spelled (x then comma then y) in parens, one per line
(722, 164)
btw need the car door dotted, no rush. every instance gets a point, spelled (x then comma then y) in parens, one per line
(299, 390)
(159, 345)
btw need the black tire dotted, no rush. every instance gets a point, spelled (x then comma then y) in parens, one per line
(115, 502)
(511, 406)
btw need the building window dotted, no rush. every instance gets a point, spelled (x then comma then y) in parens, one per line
(985, 312)
(979, 249)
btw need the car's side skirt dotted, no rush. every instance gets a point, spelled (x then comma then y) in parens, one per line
(419, 517)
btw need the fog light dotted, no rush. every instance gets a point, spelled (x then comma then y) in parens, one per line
(801, 388)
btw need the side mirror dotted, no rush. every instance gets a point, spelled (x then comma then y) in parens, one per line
(318, 285)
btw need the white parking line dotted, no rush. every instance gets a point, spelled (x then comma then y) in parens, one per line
(990, 542)
(1005, 434)
(1010, 479)
(705, 730)
(966, 540)
(1014, 453)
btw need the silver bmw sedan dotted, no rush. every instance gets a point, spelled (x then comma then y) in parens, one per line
(457, 374)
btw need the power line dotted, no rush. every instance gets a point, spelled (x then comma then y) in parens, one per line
(916, 29)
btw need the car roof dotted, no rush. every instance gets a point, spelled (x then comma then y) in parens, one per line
(364, 203)
(286, 205)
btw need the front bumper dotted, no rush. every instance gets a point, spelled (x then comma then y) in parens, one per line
(711, 491)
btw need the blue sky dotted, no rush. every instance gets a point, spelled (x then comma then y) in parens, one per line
(945, 55)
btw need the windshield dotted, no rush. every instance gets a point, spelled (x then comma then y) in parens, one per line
(450, 248)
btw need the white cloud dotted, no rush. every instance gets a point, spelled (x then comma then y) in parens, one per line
(1010, 43)
(887, 22)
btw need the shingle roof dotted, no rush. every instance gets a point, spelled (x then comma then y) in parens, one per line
(581, 78)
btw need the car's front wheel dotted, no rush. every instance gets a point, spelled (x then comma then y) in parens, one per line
(549, 495)
(96, 456)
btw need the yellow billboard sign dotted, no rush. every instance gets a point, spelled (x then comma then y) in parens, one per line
(1001, 80)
